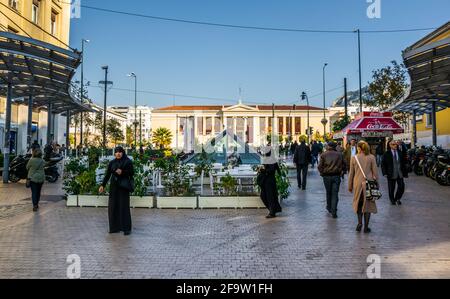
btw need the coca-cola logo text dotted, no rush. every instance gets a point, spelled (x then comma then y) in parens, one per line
(377, 125)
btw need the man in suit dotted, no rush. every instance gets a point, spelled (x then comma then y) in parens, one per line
(394, 168)
(302, 158)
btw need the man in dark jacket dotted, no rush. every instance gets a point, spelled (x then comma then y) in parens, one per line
(332, 167)
(380, 152)
(394, 168)
(302, 158)
(315, 150)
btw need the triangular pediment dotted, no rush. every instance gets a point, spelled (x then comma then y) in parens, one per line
(239, 108)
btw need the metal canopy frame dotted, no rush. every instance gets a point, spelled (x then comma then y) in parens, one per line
(429, 69)
(41, 70)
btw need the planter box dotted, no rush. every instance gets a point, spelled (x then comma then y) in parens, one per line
(176, 202)
(229, 202)
(92, 201)
(72, 201)
(141, 202)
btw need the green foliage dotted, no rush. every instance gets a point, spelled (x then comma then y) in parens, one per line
(94, 154)
(141, 178)
(229, 185)
(113, 131)
(341, 123)
(162, 138)
(87, 183)
(204, 164)
(176, 178)
(283, 184)
(72, 170)
(387, 88)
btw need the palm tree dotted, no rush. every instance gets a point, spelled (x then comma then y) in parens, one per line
(162, 138)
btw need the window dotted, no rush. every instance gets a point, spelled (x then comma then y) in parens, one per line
(208, 125)
(35, 11)
(288, 126)
(429, 120)
(54, 23)
(14, 4)
(280, 125)
(218, 125)
(298, 126)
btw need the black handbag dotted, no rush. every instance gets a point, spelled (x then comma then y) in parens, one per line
(28, 183)
(127, 184)
(260, 178)
(372, 188)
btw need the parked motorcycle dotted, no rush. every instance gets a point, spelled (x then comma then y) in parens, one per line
(442, 169)
(18, 168)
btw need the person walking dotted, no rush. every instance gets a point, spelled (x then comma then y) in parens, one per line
(302, 158)
(315, 150)
(36, 176)
(362, 166)
(120, 174)
(332, 168)
(394, 168)
(268, 185)
(350, 151)
(380, 152)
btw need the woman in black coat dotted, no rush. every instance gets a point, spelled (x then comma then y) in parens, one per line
(269, 191)
(120, 171)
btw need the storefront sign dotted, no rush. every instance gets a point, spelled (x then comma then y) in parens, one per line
(370, 134)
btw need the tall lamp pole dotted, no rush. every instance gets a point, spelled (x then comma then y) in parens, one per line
(360, 73)
(324, 120)
(133, 75)
(82, 89)
(305, 97)
(106, 83)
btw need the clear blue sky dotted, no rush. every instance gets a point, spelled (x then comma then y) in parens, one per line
(213, 62)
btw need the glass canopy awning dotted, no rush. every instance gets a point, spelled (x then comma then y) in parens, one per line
(429, 69)
(40, 70)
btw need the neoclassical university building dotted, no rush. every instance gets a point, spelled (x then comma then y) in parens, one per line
(251, 123)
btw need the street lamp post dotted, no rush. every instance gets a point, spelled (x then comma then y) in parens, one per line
(360, 75)
(324, 120)
(82, 89)
(305, 97)
(106, 83)
(133, 75)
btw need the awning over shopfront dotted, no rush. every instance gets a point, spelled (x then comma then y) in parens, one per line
(428, 63)
(429, 69)
(41, 70)
(371, 124)
(39, 75)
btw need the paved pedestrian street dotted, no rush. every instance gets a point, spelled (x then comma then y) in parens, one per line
(413, 241)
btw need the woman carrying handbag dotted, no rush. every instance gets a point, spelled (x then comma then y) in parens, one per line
(363, 168)
(120, 172)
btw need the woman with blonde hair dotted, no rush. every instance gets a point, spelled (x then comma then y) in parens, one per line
(362, 162)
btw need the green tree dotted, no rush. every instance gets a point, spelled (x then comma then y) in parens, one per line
(162, 138)
(387, 88)
(130, 136)
(341, 123)
(113, 131)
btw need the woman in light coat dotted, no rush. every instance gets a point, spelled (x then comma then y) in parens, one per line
(357, 184)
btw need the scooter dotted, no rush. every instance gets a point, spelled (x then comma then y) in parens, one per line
(18, 168)
(443, 170)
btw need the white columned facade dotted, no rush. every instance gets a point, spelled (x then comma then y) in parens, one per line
(245, 128)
